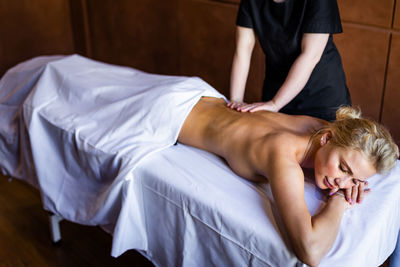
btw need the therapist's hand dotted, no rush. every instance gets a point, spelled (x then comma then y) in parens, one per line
(235, 104)
(258, 106)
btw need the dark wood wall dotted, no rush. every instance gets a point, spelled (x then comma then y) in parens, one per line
(196, 37)
(180, 37)
(30, 28)
(370, 49)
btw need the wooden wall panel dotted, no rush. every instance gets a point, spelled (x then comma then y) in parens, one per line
(207, 43)
(364, 53)
(391, 107)
(140, 33)
(397, 16)
(3, 65)
(33, 28)
(369, 12)
(80, 27)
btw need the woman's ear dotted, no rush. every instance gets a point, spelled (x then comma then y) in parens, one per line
(325, 137)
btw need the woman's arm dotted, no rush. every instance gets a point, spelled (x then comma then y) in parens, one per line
(245, 41)
(311, 236)
(312, 47)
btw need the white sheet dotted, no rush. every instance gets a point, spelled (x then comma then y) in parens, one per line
(198, 212)
(86, 135)
(85, 125)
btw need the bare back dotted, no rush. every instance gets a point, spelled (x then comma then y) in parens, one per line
(242, 138)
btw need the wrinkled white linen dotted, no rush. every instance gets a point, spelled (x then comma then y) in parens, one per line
(198, 212)
(97, 141)
(83, 126)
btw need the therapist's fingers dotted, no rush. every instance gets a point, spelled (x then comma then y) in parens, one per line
(231, 104)
(269, 106)
(247, 107)
(235, 105)
(258, 108)
(254, 107)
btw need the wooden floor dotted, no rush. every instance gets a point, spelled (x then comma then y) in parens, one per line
(24, 235)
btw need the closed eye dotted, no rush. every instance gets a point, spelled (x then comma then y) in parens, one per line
(347, 172)
(343, 169)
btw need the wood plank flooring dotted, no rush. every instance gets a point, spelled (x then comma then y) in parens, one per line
(25, 237)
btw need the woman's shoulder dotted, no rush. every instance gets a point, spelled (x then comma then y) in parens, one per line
(286, 144)
(309, 124)
(296, 124)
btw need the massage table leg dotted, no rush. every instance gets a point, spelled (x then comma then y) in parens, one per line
(53, 219)
(55, 228)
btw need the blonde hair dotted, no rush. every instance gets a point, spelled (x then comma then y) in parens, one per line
(351, 131)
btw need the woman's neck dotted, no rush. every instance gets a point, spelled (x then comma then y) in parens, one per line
(307, 160)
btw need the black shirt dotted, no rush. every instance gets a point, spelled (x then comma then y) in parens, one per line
(279, 28)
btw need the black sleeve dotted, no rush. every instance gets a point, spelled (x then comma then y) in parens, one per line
(322, 16)
(244, 18)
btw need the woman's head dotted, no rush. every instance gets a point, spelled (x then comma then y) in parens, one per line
(352, 132)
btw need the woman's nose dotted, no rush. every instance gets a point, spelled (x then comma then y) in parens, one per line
(342, 181)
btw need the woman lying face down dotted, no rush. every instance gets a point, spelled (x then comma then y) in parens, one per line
(276, 147)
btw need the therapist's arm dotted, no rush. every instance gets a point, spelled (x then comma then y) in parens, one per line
(245, 41)
(312, 47)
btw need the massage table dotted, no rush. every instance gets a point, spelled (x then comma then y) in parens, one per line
(99, 143)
